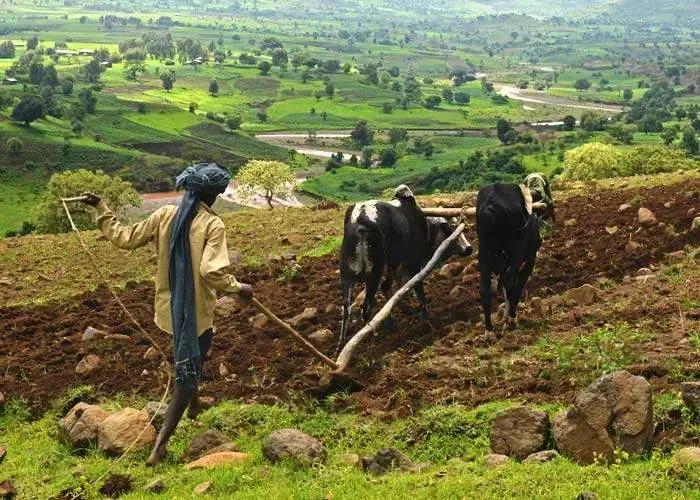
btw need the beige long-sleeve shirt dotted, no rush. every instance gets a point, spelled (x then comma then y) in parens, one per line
(209, 257)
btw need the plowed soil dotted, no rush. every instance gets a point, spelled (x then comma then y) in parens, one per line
(422, 362)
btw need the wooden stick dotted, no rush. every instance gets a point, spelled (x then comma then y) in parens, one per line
(346, 354)
(471, 211)
(296, 336)
(75, 198)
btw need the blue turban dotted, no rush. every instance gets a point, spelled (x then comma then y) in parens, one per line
(202, 179)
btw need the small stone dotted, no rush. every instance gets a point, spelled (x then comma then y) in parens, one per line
(695, 225)
(611, 230)
(321, 337)
(223, 370)
(678, 255)
(587, 495)
(644, 271)
(203, 444)
(5, 282)
(457, 292)
(685, 457)
(495, 461)
(206, 402)
(452, 269)
(7, 489)
(285, 241)
(117, 337)
(570, 222)
(217, 459)
(632, 246)
(2, 400)
(541, 457)
(584, 295)
(291, 257)
(388, 459)
(308, 314)
(91, 333)
(202, 488)
(144, 373)
(45, 478)
(157, 486)
(151, 354)
(691, 211)
(668, 204)
(644, 278)
(226, 305)
(690, 392)
(352, 459)
(88, 364)
(646, 217)
(3, 452)
(624, 207)
(258, 321)
(234, 258)
(536, 306)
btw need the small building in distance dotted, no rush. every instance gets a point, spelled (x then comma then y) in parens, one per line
(9, 81)
(86, 52)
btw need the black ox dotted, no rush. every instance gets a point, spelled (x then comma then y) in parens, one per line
(509, 238)
(391, 240)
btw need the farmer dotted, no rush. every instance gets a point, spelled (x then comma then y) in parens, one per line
(192, 261)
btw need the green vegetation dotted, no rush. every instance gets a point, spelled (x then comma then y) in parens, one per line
(452, 439)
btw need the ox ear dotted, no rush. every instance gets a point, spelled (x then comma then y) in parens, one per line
(527, 197)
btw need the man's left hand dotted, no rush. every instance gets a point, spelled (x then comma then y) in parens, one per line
(91, 199)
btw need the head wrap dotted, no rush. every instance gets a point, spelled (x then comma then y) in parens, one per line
(202, 179)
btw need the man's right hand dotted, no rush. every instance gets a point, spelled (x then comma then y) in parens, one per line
(91, 199)
(245, 291)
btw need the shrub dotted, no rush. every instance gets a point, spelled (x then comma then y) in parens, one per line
(652, 159)
(51, 217)
(271, 178)
(14, 146)
(387, 157)
(594, 161)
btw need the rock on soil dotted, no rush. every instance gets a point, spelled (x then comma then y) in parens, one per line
(519, 432)
(79, 427)
(686, 457)
(91, 333)
(611, 230)
(202, 488)
(292, 443)
(495, 461)
(213, 460)
(3, 452)
(88, 364)
(258, 321)
(585, 295)
(2, 400)
(646, 217)
(155, 408)
(151, 354)
(7, 489)
(206, 443)
(116, 485)
(156, 486)
(690, 392)
(614, 411)
(541, 457)
(118, 431)
(322, 337)
(308, 314)
(226, 305)
(695, 225)
(624, 207)
(451, 269)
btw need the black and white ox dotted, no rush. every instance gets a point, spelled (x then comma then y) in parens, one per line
(509, 238)
(390, 240)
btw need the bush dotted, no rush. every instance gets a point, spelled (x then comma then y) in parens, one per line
(652, 159)
(266, 177)
(14, 146)
(387, 157)
(234, 122)
(141, 108)
(594, 161)
(51, 217)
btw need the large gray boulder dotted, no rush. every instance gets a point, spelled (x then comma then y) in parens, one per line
(519, 432)
(294, 444)
(615, 411)
(79, 427)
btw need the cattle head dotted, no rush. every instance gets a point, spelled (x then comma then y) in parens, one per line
(538, 187)
(439, 229)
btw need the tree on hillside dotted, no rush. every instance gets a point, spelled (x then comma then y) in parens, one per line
(264, 67)
(650, 123)
(669, 135)
(622, 132)
(168, 80)
(67, 85)
(397, 135)
(689, 141)
(213, 87)
(590, 121)
(133, 70)
(569, 122)
(234, 122)
(627, 95)
(362, 134)
(211, 46)
(7, 50)
(432, 101)
(462, 98)
(50, 77)
(29, 108)
(582, 84)
(387, 157)
(88, 99)
(36, 72)
(189, 49)
(193, 107)
(14, 146)
(271, 43)
(330, 90)
(50, 215)
(266, 177)
(279, 57)
(503, 130)
(32, 42)
(91, 71)
(330, 66)
(447, 94)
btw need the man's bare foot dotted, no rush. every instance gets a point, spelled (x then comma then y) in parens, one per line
(203, 403)
(157, 456)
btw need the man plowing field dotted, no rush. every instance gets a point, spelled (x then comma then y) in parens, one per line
(192, 261)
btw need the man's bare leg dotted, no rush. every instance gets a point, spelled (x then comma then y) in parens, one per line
(181, 398)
